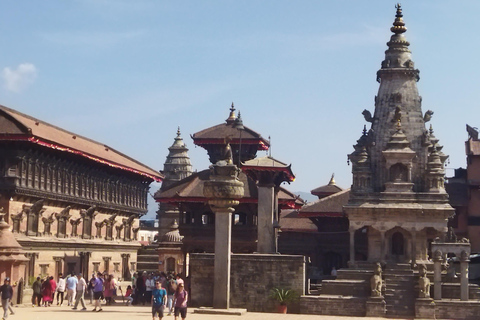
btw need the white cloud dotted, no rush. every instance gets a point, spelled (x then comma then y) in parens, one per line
(19, 79)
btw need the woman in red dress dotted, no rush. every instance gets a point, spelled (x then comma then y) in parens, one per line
(47, 292)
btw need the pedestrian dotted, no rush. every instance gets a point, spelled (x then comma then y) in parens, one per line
(7, 295)
(180, 302)
(171, 288)
(98, 292)
(80, 292)
(180, 280)
(91, 284)
(53, 285)
(47, 292)
(149, 287)
(140, 288)
(109, 289)
(60, 289)
(128, 295)
(159, 300)
(37, 292)
(71, 285)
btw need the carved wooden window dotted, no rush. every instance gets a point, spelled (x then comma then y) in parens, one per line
(240, 219)
(23, 174)
(29, 173)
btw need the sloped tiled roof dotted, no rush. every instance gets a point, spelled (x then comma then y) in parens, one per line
(190, 189)
(217, 134)
(291, 221)
(268, 163)
(15, 125)
(331, 206)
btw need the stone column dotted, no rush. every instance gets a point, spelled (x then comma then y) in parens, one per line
(265, 229)
(222, 190)
(464, 259)
(352, 248)
(437, 280)
(414, 247)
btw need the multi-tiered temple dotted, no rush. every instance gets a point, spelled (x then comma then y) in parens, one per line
(398, 189)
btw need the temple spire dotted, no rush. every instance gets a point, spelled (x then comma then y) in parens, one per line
(231, 118)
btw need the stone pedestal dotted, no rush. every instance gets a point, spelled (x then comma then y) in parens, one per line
(425, 308)
(376, 307)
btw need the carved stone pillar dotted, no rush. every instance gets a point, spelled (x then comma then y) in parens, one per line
(222, 191)
(383, 254)
(58, 265)
(106, 261)
(351, 263)
(414, 247)
(464, 260)
(437, 280)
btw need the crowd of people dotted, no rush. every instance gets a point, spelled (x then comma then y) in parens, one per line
(165, 293)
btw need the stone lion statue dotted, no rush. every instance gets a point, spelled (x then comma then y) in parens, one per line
(376, 281)
(423, 282)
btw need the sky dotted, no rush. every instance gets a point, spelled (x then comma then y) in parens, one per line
(128, 73)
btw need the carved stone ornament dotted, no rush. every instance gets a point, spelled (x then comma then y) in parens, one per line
(437, 255)
(376, 281)
(423, 282)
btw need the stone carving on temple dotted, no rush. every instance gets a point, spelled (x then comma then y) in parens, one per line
(376, 281)
(75, 223)
(423, 282)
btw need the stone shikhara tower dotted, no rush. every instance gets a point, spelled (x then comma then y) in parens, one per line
(398, 189)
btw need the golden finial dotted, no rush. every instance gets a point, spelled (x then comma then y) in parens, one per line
(398, 24)
(232, 116)
(332, 180)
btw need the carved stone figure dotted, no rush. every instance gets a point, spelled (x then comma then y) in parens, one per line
(423, 283)
(428, 115)
(367, 115)
(450, 237)
(227, 153)
(376, 281)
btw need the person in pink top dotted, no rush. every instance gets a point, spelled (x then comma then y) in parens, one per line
(180, 302)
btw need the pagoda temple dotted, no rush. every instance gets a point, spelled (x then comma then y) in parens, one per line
(195, 218)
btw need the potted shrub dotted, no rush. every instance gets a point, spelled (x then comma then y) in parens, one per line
(284, 297)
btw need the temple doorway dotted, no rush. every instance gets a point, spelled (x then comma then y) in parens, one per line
(398, 246)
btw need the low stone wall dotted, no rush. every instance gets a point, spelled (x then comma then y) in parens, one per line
(252, 278)
(333, 305)
(455, 309)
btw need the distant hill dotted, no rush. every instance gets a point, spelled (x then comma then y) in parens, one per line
(306, 196)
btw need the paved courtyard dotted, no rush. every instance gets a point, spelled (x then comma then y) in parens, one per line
(119, 312)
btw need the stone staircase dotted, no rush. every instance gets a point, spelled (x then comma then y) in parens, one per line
(147, 259)
(400, 291)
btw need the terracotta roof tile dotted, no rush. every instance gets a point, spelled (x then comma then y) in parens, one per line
(328, 206)
(14, 123)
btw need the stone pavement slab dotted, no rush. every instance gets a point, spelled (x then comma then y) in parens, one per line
(121, 312)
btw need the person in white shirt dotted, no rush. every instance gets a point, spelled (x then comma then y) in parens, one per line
(60, 289)
(71, 285)
(79, 296)
(149, 286)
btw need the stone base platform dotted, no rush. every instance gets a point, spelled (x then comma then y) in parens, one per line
(228, 312)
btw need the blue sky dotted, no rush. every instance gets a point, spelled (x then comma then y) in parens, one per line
(127, 73)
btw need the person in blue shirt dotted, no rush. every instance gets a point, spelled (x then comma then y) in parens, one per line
(159, 299)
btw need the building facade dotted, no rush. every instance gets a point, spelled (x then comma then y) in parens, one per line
(72, 203)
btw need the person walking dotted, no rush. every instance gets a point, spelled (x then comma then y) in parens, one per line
(159, 300)
(91, 284)
(71, 285)
(140, 288)
(60, 289)
(37, 292)
(149, 287)
(80, 292)
(98, 292)
(7, 295)
(109, 286)
(171, 288)
(47, 292)
(180, 302)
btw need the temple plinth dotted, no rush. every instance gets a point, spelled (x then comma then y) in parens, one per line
(223, 191)
(269, 174)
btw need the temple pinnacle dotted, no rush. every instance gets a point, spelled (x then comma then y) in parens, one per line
(232, 116)
(398, 24)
